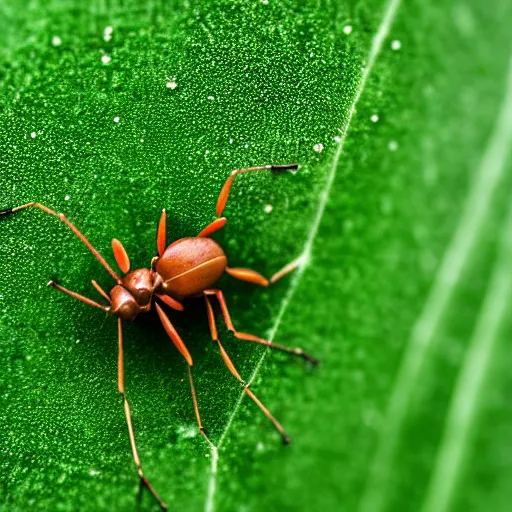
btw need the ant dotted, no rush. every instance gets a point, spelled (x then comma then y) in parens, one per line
(187, 268)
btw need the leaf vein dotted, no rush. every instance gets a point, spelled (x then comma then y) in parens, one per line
(375, 50)
(467, 394)
(458, 254)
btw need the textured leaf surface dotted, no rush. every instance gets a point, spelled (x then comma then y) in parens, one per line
(398, 114)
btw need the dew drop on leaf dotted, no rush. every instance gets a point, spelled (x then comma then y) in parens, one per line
(396, 45)
(171, 84)
(107, 33)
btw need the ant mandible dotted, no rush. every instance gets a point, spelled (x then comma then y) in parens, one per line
(185, 269)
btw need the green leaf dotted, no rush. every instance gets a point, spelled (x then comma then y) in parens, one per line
(400, 116)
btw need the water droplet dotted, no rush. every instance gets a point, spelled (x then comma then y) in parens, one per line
(264, 2)
(337, 139)
(347, 29)
(268, 208)
(207, 152)
(231, 141)
(318, 147)
(94, 472)
(116, 119)
(105, 59)
(374, 118)
(393, 145)
(67, 198)
(33, 135)
(171, 84)
(211, 98)
(56, 41)
(396, 44)
(107, 33)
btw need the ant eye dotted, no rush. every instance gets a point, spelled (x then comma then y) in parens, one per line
(121, 255)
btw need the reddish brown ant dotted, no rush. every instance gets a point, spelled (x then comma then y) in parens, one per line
(185, 269)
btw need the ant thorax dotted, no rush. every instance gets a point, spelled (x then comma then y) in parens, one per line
(142, 283)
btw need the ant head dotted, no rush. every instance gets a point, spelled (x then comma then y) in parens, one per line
(123, 303)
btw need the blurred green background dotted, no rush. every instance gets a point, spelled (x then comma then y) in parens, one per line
(400, 114)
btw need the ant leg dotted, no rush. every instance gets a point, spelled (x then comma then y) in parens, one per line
(101, 291)
(173, 334)
(61, 217)
(169, 301)
(246, 274)
(224, 193)
(213, 227)
(121, 256)
(202, 430)
(250, 337)
(161, 233)
(143, 480)
(220, 222)
(78, 296)
(233, 370)
(290, 267)
(178, 342)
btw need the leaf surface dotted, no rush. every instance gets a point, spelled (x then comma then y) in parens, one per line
(397, 113)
